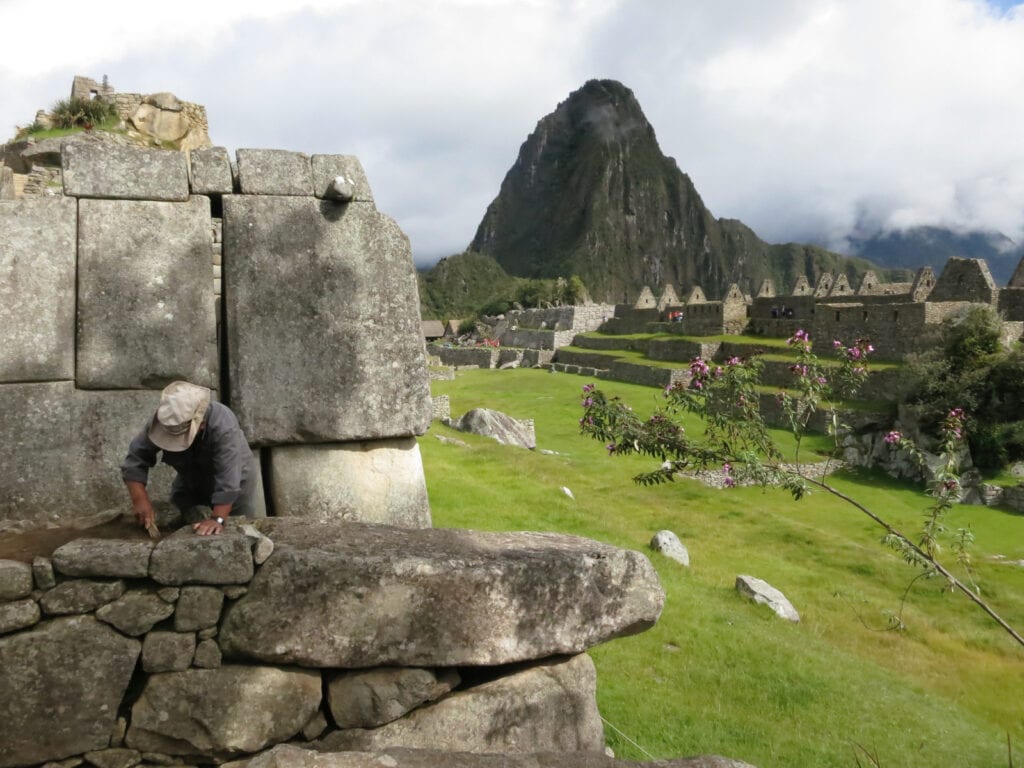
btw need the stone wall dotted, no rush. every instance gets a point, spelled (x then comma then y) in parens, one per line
(332, 636)
(108, 297)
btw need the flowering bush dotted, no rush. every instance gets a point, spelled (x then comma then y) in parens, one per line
(736, 439)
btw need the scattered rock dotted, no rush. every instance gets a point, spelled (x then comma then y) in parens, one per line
(496, 425)
(669, 545)
(568, 493)
(764, 593)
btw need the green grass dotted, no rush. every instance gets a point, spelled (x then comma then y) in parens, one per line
(718, 674)
(110, 125)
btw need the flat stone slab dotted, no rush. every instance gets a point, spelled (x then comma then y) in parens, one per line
(550, 707)
(353, 595)
(273, 172)
(49, 722)
(372, 482)
(225, 711)
(123, 173)
(145, 295)
(210, 171)
(186, 558)
(104, 557)
(290, 756)
(37, 286)
(317, 280)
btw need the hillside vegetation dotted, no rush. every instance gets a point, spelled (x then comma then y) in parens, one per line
(721, 675)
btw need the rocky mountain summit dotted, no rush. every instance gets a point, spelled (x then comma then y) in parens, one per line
(591, 194)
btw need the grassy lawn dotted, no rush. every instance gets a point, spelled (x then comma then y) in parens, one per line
(718, 674)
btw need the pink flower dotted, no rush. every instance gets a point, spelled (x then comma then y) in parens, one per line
(893, 437)
(733, 361)
(611, 447)
(730, 483)
(837, 344)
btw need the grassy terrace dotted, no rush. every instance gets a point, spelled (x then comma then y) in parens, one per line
(718, 674)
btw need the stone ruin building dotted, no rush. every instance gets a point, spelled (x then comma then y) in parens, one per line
(899, 318)
(339, 625)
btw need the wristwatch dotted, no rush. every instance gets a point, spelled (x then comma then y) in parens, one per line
(220, 521)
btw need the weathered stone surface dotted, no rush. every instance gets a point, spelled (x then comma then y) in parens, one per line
(37, 286)
(104, 557)
(64, 469)
(368, 698)
(80, 596)
(762, 592)
(273, 172)
(353, 595)
(670, 546)
(208, 655)
(551, 707)
(210, 171)
(222, 711)
(169, 594)
(15, 580)
(375, 482)
(42, 573)
(198, 608)
(290, 756)
(262, 547)
(185, 558)
(7, 191)
(312, 279)
(168, 651)
(495, 424)
(328, 168)
(135, 612)
(315, 727)
(18, 615)
(113, 758)
(145, 297)
(128, 173)
(92, 663)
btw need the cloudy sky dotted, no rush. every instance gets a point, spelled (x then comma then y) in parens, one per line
(807, 119)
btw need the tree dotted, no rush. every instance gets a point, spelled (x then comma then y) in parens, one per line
(737, 440)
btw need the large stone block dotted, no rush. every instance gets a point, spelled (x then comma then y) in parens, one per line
(225, 711)
(273, 172)
(210, 171)
(323, 325)
(377, 482)
(367, 698)
(15, 580)
(551, 707)
(65, 468)
(125, 173)
(37, 289)
(353, 595)
(291, 756)
(145, 295)
(61, 684)
(327, 168)
(104, 557)
(186, 558)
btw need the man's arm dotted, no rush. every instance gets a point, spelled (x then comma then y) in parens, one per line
(229, 451)
(141, 505)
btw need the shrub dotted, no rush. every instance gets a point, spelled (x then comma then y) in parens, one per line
(79, 113)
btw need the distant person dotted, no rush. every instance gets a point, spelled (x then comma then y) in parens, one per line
(202, 440)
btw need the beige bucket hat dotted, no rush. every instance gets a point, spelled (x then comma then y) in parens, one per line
(176, 421)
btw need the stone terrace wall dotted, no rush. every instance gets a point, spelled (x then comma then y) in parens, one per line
(330, 635)
(107, 297)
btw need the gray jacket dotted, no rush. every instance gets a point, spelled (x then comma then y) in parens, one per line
(218, 465)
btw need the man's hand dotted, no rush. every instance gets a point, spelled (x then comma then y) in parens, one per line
(207, 527)
(141, 505)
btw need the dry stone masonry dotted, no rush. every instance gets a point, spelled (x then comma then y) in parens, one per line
(107, 296)
(332, 636)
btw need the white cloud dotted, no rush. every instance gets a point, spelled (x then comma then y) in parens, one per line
(804, 118)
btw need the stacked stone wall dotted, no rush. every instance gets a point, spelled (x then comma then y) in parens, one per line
(331, 636)
(484, 357)
(110, 298)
